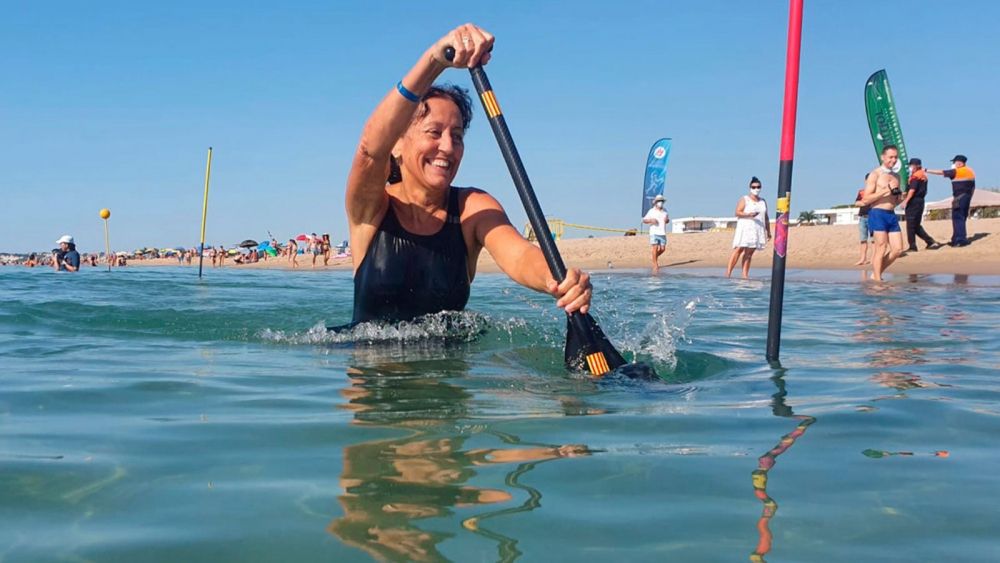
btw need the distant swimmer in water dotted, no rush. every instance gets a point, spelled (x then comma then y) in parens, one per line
(67, 259)
(415, 238)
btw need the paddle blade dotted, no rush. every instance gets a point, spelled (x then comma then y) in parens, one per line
(587, 349)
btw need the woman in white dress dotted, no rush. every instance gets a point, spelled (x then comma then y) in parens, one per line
(753, 229)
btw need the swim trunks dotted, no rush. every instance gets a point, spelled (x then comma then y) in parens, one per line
(880, 220)
(658, 240)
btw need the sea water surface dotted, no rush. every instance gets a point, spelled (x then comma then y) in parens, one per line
(147, 416)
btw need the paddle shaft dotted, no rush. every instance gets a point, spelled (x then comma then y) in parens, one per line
(520, 177)
(533, 209)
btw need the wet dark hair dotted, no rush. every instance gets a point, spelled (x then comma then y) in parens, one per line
(458, 95)
(754, 180)
(890, 148)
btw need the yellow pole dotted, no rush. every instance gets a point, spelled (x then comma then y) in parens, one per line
(106, 214)
(204, 213)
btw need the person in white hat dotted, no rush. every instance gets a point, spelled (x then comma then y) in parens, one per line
(67, 259)
(657, 220)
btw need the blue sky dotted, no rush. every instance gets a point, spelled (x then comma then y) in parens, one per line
(113, 104)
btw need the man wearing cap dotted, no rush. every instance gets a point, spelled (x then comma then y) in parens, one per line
(963, 185)
(657, 220)
(916, 191)
(67, 259)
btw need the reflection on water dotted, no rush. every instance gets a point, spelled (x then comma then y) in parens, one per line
(390, 485)
(890, 332)
(767, 461)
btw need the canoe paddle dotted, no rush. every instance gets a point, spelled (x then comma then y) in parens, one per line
(587, 348)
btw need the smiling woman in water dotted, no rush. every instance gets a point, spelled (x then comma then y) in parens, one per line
(415, 238)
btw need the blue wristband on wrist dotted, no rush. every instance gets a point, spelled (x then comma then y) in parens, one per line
(406, 93)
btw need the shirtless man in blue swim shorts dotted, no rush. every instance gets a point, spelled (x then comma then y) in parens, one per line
(882, 194)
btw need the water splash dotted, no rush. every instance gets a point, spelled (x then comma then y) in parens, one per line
(657, 341)
(447, 326)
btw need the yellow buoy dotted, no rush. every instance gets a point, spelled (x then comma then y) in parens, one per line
(105, 213)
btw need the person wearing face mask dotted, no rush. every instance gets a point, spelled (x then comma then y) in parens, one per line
(963, 185)
(657, 219)
(916, 191)
(753, 228)
(883, 194)
(416, 238)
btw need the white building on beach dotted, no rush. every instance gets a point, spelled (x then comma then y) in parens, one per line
(838, 216)
(702, 224)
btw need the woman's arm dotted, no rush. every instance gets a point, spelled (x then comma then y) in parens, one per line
(739, 209)
(520, 259)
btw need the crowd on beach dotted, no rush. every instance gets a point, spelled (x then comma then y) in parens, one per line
(318, 247)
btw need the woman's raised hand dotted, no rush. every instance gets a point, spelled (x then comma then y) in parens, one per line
(472, 45)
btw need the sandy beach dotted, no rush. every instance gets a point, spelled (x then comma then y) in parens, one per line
(824, 247)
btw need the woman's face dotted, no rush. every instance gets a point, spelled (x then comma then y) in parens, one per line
(433, 146)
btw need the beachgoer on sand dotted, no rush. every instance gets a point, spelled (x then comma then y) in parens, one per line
(963, 185)
(883, 194)
(863, 233)
(315, 247)
(293, 252)
(753, 229)
(913, 205)
(657, 219)
(416, 237)
(326, 249)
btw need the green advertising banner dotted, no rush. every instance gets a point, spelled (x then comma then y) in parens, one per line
(883, 121)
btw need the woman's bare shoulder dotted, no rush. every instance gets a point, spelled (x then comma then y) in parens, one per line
(477, 198)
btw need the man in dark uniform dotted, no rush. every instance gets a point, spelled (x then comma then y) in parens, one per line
(963, 185)
(916, 191)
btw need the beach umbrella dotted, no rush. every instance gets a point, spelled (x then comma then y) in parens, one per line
(302, 237)
(249, 243)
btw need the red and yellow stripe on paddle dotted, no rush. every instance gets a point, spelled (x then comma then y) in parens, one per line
(490, 103)
(598, 364)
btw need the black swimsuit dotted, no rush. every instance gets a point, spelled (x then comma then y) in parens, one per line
(405, 275)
